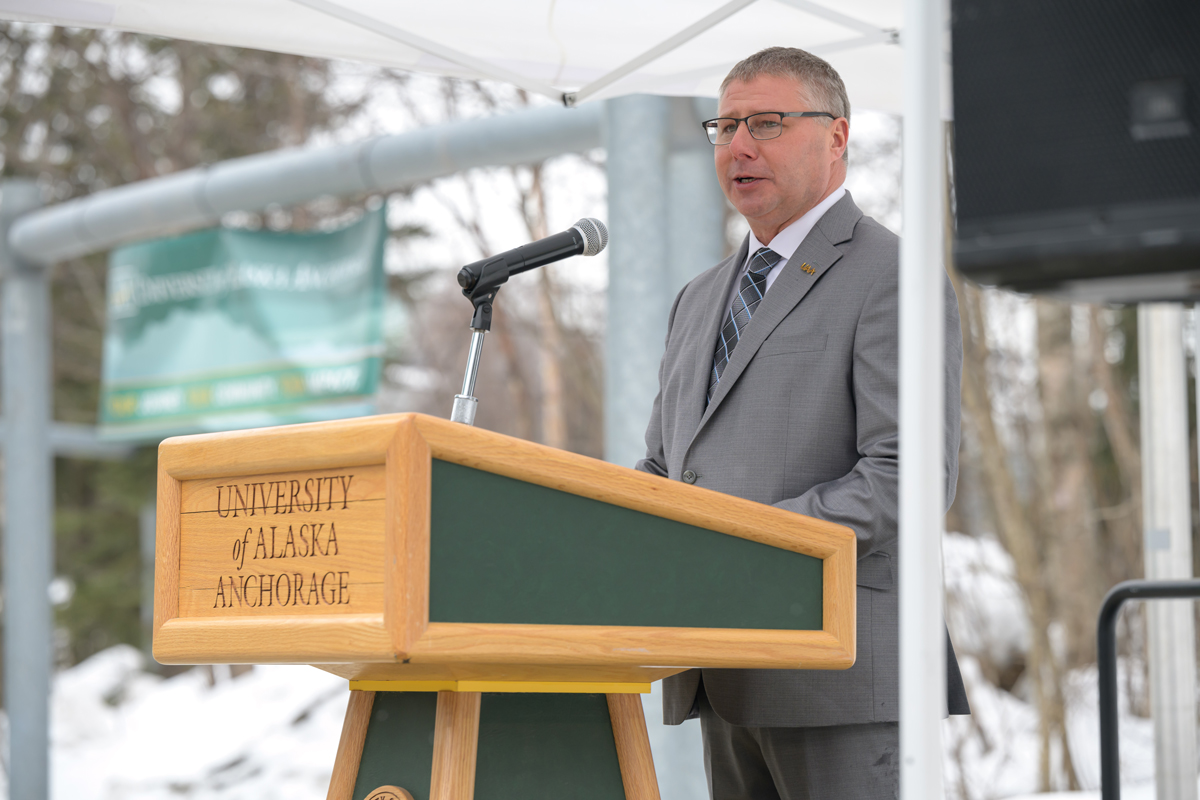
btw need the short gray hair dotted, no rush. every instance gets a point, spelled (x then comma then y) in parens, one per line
(819, 81)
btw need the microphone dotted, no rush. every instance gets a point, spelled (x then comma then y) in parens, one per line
(587, 237)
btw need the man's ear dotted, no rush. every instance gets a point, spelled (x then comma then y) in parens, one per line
(839, 136)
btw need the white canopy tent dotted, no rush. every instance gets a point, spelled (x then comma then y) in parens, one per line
(567, 50)
(574, 52)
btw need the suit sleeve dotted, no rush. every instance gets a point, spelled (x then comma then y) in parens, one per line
(655, 461)
(866, 498)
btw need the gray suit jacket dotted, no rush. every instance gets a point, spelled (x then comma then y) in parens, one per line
(804, 418)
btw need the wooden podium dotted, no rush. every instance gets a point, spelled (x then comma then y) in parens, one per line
(496, 605)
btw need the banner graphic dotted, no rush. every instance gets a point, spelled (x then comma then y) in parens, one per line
(225, 329)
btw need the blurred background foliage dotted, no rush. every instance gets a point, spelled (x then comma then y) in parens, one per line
(84, 110)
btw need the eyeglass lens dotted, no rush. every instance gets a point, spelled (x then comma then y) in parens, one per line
(767, 125)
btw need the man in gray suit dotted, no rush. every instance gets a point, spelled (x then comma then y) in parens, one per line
(779, 384)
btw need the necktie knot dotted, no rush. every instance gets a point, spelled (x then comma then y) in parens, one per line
(764, 261)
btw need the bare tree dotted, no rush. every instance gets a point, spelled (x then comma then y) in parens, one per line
(549, 366)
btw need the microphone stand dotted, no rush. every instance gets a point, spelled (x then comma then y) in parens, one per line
(481, 281)
(481, 292)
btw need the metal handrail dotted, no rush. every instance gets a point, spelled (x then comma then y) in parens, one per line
(1106, 657)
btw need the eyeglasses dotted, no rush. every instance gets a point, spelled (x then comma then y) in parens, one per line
(767, 125)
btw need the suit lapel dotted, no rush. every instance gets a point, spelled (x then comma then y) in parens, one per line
(816, 254)
(714, 306)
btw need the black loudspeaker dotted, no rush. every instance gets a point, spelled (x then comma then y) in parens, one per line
(1077, 146)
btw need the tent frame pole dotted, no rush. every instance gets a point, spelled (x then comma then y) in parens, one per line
(28, 505)
(922, 400)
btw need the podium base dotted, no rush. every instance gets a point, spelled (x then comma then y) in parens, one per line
(451, 745)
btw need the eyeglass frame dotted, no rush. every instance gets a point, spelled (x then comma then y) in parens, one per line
(740, 120)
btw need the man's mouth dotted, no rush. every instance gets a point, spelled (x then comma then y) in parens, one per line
(745, 180)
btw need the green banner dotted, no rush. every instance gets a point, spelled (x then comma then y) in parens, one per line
(226, 329)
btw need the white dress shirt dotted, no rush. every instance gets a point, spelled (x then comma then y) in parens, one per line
(785, 242)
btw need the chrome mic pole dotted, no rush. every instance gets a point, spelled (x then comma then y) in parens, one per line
(465, 402)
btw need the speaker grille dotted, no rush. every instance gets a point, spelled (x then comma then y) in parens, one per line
(595, 235)
(1044, 99)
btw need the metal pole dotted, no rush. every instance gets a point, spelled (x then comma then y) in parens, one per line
(465, 403)
(922, 419)
(1167, 542)
(637, 132)
(666, 214)
(198, 197)
(28, 505)
(73, 440)
(696, 206)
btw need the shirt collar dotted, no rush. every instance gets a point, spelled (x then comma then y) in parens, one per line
(788, 239)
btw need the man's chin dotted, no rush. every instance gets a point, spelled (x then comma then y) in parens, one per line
(751, 208)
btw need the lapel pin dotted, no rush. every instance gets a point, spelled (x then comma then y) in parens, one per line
(805, 266)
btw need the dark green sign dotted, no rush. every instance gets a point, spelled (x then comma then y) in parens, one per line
(227, 329)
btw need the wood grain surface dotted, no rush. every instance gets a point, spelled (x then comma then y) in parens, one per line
(274, 640)
(166, 552)
(633, 747)
(406, 541)
(350, 746)
(455, 746)
(450, 643)
(353, 442)
(307, 543)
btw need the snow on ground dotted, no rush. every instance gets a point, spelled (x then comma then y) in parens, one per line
(993, 753)
(121, 733)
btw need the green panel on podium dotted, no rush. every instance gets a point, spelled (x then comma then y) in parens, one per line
(531, 746)
(546, 746)
(507, 551)
(398, 750)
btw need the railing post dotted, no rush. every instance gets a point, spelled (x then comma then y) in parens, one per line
(1106, 661)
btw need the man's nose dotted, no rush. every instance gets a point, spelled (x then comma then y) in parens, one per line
(743, 144)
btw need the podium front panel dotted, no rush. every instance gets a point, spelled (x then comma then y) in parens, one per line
(298, 543)
(405, 547)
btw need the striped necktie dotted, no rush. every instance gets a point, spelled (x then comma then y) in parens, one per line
(750, 293)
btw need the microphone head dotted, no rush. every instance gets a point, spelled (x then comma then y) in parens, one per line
(595, 235)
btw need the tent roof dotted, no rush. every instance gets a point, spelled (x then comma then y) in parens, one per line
(596, 50)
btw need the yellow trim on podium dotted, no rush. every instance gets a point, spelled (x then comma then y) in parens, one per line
(532, 687)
